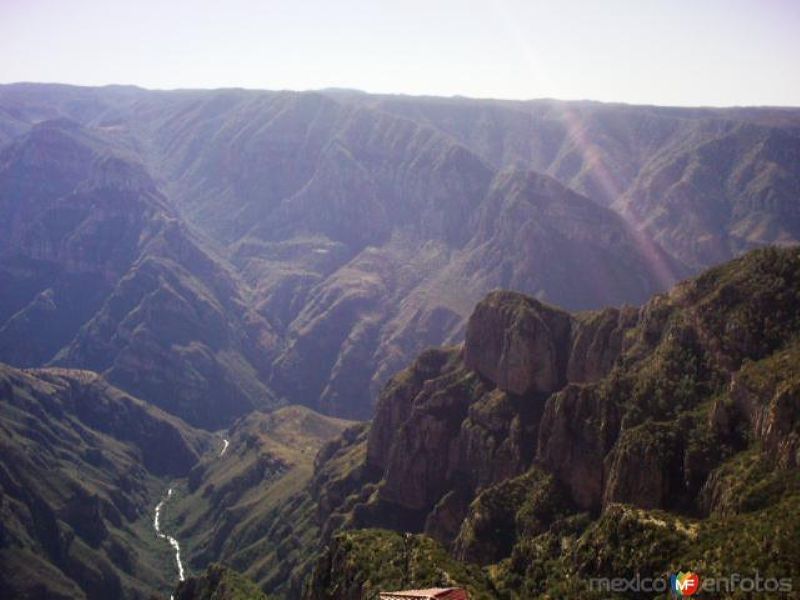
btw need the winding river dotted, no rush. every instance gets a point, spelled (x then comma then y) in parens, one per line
(172, 541)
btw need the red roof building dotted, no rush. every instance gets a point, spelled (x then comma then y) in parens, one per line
(429, 594)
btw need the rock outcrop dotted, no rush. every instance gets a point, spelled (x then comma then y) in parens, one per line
(578, 428)
(764, 400)
(615, 405)
(461, 419)
(518, 343)
(597, 339)
(645, 467)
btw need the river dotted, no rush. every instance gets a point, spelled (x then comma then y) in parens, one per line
(172, 541)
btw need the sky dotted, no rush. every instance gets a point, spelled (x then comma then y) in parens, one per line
(676, 52)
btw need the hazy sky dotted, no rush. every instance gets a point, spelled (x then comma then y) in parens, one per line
(680, 52)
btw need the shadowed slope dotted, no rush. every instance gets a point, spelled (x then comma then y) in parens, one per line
(78, 479)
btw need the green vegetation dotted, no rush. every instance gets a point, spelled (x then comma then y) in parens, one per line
(249, 507)
(219, 583)
(359, 564)
(81, 468)
(701, 445)
(502, 514)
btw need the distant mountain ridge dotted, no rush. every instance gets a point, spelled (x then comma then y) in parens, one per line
(98, 272)
(215, 251)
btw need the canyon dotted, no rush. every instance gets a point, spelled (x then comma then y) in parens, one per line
(349, 342)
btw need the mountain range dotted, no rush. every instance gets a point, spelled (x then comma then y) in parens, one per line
(219, 251)
(552, 448)
(336, 343)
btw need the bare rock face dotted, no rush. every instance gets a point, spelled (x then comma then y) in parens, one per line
(518, 343)
(440, 433)
(644, 468)
(456, 422)
(764, 396)
(577, 430)
(446, 518)
(419, 469)
(395, 403)
(596, 342)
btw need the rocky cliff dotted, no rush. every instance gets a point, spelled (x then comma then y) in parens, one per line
(547, 429)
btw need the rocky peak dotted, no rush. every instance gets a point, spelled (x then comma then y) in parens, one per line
(457, 421)
(522, 345)
(607, 402)
(518, 343)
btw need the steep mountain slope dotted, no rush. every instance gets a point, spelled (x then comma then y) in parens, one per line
(101, 274)
(357, 227)
(557, 447)
(81, 466)
(219, 583)
(339, 234)
(716, 196)
(706, 184)
(247, 506)
(65, 237)
(394, 300)
(361, 564)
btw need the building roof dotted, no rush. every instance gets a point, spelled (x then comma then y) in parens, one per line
(427, 594)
